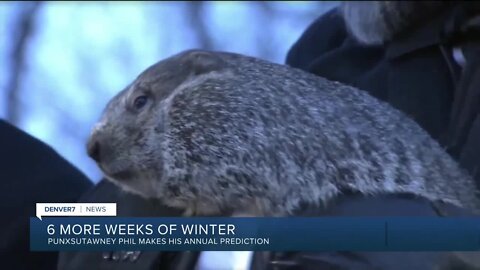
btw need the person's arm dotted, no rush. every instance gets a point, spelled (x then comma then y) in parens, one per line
(128, 205)
(30, 172)
(381, 205)
(311, 44)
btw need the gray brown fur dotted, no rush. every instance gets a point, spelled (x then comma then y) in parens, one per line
(377, 22)
(222, 130)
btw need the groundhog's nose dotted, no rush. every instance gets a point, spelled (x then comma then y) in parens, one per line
(93, 149)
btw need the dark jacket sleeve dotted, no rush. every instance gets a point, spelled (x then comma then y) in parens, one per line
(413, 77)
(128, 205)
(357, 205)
(30, 172)
(327, 50)
(311, 44)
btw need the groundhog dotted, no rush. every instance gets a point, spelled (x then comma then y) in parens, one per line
(216, 132)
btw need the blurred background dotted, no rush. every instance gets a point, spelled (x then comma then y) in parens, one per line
(60, 62)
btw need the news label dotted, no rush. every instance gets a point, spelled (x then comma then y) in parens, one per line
(255, 234)
(75, 209)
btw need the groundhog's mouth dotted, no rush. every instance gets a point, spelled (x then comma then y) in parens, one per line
(120, 173)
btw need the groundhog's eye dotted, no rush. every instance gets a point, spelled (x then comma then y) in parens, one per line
(140, 102)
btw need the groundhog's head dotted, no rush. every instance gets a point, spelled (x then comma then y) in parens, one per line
(125, 143)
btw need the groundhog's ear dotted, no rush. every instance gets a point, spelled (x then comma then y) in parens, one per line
(201, 62)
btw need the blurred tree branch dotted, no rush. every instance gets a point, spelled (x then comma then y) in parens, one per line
(195, 12)
(23, 27)
(265, 33)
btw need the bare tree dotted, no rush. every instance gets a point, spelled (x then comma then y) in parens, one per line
(23, 27)
(195, 13)
(265, 32)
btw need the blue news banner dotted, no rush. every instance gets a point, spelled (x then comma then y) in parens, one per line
(276, 234)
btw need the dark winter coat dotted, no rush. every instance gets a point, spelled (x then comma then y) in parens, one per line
(30, 172)
(416, 74)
